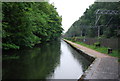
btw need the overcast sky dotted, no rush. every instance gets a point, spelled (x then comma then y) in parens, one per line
(71, 10)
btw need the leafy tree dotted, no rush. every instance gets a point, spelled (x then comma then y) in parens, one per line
(87, 22)
(26, 24)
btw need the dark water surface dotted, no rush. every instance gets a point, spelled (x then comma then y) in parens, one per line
(56, 60)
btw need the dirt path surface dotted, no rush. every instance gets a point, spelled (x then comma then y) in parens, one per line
(103, 67)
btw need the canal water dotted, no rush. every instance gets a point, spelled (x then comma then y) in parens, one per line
(55, 60)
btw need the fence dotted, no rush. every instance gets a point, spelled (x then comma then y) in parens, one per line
(112, 43)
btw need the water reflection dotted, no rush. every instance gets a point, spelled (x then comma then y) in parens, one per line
(80, 59)
(56, 60)
(70, 64)
(35, 63)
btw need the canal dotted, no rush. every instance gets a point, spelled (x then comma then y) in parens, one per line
(54, 60)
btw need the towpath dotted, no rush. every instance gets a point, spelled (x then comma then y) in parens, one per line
(103, 67)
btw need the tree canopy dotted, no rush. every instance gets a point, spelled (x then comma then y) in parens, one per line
(85, 26)
(25, 24)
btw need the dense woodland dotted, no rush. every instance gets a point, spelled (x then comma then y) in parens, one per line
(85, 26)
(26, 24)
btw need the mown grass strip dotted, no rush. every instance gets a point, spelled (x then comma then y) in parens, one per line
(101, 49)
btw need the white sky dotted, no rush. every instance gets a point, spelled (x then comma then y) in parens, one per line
(71, 10)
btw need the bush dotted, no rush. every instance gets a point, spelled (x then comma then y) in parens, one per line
(97, 44)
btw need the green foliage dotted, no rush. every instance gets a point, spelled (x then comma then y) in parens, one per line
(104, 50)
(26, 24)
(8, 57)
(82, 27)
(9, 46)
(97, 44)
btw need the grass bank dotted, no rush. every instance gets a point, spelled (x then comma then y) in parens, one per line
(115, 53)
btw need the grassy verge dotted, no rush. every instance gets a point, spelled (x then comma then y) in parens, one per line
(101, 49)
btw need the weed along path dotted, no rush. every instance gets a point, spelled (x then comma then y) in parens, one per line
(103, 67)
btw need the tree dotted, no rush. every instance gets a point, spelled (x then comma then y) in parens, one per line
(26, 24)
(87, 21)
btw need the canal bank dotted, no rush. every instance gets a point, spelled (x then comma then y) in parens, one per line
(103, 67)
(51, 61)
